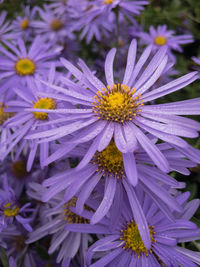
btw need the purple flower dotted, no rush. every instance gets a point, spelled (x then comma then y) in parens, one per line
(10, 211)
(53, 27)
(23, 25)
(163, 37)
(106, 169)
(22, 64)
(25, 120)
(124, 111)
(55, 216)
(123, 244)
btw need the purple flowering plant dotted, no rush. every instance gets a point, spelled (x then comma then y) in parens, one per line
(99, 133)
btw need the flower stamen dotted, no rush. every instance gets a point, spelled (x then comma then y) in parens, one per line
(25, 66)
(116, 103)
(110, 161)
(10, 210)
(133, 240)
(43, 103)
(18, 168)
(160, 40)
(56, 25)
(71, 217)
(4, 116)
(24, 24)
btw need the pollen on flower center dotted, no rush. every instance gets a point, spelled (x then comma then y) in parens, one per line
(56, 25)
(133, 240)
(110, 161)
(43, 103)
(71, 217)
(160, 40)
(4, 115)
(24, 24)
(18, 168)
(116, 103)
(108, 2)
(25, 66)
(10, 210)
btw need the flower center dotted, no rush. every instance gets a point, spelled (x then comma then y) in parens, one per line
(160, 40)
(18, 168)
(64, 2)
(24, 24)
(133, 240)
(71, 217)
(4, 115)
(10, 210)
(56, 25)
(108, 2)
(19, 242)
(116, 103)
(43, 103)
(25, 66)
(110, 161)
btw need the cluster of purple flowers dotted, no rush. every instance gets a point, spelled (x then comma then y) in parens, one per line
(87, 158)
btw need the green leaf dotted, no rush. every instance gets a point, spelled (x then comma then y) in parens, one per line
(4, 258)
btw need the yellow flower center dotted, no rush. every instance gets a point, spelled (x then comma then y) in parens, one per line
(24, 24)
(110, 161)
(56, 25)
(64, 2)
(116, 103)
(160, 40)
(108, 2)
(43, 103)
(71, 217)
(10, 210)
(25, 66)
(4, 115)
(133, 240)
(19, 169)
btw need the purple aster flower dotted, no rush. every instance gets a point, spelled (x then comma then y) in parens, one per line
(22, 64)
(53, 27)
(16, 247)
(10, 211)
(5, 29)
(57, 215)
(124, 110)
(18, 175)
(24, 120)
(23, 24)
(106, 169)
(124, 245)
(163, 37)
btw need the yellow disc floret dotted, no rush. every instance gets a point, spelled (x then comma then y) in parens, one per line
(10, 210)
(133, 240)
(56, 25)
(4, 115)
(116, 103)
(71, 217)
(19, 169)
(108, 2)
(160, 40)
(25, 66)
(110, 161)
(24, 24)
(43, 103)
